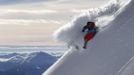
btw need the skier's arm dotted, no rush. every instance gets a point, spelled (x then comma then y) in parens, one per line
(84, 28)
(92, 30)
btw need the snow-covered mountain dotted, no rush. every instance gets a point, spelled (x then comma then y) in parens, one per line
(111, 50)
(25, 63)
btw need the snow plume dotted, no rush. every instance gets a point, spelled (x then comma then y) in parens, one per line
(71, 32)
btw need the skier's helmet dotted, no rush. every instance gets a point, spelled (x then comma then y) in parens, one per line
(91, 24)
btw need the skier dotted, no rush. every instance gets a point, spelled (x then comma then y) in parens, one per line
(90, 30)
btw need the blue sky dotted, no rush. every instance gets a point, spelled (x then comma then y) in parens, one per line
(32, 22)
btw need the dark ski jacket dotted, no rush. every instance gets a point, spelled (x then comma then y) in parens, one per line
(89, 29)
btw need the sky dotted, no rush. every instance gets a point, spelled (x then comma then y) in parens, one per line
(32, 22)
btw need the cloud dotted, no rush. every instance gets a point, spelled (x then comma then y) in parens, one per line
(80, 1)
(55, 16)
(26, 22)
(8, 2)
(6, 11)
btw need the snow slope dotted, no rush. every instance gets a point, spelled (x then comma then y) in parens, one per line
(128, 68)
(111, 48)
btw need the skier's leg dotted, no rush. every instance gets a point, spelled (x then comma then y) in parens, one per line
(87, 38)
(85, 44)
